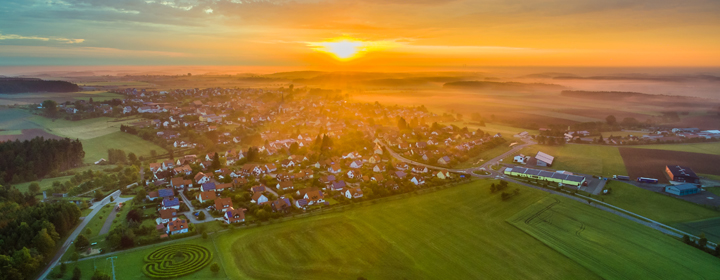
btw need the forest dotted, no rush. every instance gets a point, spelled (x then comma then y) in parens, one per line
(21, 85)
(33, 159)
(30, 231)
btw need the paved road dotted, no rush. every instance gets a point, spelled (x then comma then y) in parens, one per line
(189, 214)
(96, 208)
(111, 217)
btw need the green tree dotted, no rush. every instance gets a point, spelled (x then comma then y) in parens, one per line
(702, 242)
(63, 268)
(611, 120)
(204, 235)
(215, 268)
(100, 276)
(34, 188)
(76, 273)
(201, 216)
(74, 257)
(153, 153)
(132, 157)
(88, 231)
(215, 162)
(43, 242)
(82, 242)
(50, 107)
(99, 195)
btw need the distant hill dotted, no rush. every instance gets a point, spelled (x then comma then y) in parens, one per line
(620, 95)
(22, 85)
(486, 85)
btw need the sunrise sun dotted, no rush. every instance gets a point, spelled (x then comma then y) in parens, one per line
(346, 48)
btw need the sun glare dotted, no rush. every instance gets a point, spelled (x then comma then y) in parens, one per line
(347, 48)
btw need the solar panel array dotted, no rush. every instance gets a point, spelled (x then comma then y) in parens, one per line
(548, 174)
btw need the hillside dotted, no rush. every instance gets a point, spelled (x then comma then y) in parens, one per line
(485, 85)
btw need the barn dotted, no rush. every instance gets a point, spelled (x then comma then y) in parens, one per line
(679, 173)
(544, 159)
(683, 189)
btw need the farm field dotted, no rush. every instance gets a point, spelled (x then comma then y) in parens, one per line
(610, 246)
(651, 163)
(99, 96)
(456, 233)
(12, 119)
(96, 148)
(129, 265)
(560, 115)
(656, 206)
(586, 159)
(712, 148)
(493, 128)
(710, 227)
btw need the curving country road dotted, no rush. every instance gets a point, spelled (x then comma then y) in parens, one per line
(68, 242)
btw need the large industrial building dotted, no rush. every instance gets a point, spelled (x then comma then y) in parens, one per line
(557, 177)
(683, 174)
(544, 159)
(683, 189)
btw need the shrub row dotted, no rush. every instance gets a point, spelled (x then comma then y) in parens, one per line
(176, 260)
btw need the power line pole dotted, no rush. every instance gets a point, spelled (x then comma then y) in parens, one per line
(112, 262)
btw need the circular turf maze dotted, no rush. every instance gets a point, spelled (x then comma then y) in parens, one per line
(176, 260)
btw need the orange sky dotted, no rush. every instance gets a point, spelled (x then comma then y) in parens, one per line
(411, 33)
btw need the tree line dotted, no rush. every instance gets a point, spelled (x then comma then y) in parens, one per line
(29, 232)
(32, 159)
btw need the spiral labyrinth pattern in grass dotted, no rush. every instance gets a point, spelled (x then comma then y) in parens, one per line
(176, 260)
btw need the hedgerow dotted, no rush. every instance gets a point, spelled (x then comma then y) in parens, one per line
(176, 260)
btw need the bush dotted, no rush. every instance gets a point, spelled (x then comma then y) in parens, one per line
(159, 263)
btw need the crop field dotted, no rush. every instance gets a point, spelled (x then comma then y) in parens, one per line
(28, 134)
(710, 227)
(456, 233)
(612, 247)
(12, 119)
(129, 265)
(712, 148)
(97, 147)
(586, 159)
(651, 163)
(98, 96)
(656, 206)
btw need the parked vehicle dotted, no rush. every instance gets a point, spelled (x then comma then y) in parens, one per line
(621, 177)
(647, 180)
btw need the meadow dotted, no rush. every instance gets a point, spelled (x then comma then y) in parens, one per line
(612, 247)
(456, 233)
(44, 184)
(587, 159)
(97, 147)
(712, 148)
(656, 206)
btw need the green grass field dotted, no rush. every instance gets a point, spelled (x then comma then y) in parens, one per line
(659, 207)
(712, 148)
(99, 96)
(44, 184)
(12, 121)
(96, 148)
(586, 159)
(98, 221)
(129, 264)
(610, 246)
(82, 129)
(493, 128)
(487, 155)
(607, 134)
(457, 233)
